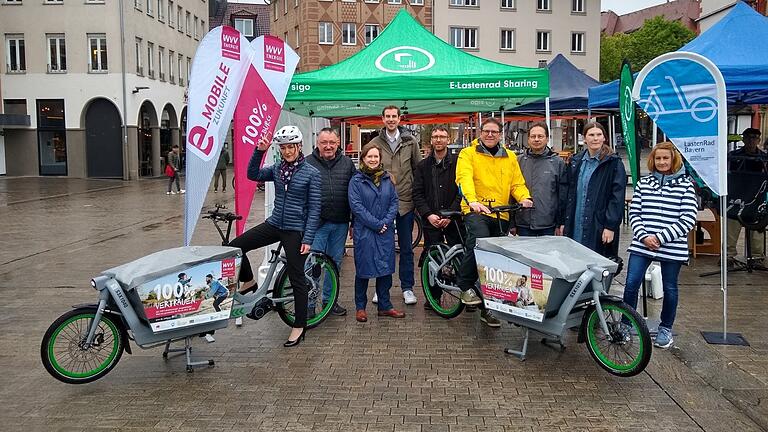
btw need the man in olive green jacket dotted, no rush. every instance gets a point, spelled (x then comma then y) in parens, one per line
(399, 155)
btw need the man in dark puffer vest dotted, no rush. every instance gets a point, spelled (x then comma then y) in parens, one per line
(335, 171)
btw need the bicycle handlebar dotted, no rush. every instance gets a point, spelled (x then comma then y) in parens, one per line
(219, 216)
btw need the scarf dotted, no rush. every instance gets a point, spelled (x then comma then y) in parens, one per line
(287, 169)
(373, 173)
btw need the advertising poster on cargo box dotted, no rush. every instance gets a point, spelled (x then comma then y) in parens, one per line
(511, 287)
(198, 295)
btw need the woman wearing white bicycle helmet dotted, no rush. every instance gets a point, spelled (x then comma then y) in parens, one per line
(294, 220)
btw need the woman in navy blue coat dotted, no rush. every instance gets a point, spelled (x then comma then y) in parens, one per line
(373, 200)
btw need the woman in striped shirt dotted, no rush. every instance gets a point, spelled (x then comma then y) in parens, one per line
(662, 212)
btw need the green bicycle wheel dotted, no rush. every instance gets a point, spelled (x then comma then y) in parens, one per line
(626, 349)
(64, 354)
(445, 304)
(322, 275)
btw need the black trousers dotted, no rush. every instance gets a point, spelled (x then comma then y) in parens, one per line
(477, 226)
(265, 234)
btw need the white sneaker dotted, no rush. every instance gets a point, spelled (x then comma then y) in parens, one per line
(209, 337)
(239, 321)
(375, 299)
(409, 297)
(167, 193)
(172, 193)
(183, 191)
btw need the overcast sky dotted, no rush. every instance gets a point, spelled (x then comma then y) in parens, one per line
(622, 7)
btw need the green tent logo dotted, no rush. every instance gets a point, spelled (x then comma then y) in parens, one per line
(405, 59)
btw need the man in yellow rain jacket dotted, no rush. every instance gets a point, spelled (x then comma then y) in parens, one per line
(487, 175)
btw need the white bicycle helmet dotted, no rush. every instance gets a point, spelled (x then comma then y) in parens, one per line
(288, 135)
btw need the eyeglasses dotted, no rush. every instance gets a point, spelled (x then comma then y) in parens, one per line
(491, 132)
(440, 137)
(327, 143)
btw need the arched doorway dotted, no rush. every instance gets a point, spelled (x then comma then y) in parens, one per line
(103, 140)
(169, 130)
(149, 137)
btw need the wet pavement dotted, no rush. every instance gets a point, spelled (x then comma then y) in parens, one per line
(421, 373)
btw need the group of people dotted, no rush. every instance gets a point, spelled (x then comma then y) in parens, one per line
(318, 196)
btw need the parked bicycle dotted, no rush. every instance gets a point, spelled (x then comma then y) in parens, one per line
(87, 342)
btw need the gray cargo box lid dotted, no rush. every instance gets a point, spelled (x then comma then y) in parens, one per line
(559, 257)
(167, 261)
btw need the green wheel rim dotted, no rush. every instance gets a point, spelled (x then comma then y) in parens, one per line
(428, 292)
(593, 340)
(328, 270)
(99, 366)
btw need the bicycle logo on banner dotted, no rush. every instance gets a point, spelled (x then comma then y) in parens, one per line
(702, 108)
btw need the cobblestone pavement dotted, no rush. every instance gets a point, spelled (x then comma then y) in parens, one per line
(421, 373)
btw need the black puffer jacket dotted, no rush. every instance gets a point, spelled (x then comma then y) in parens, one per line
(335, 175)
(434, 186)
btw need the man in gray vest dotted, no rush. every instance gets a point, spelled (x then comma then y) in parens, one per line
(400, 155)
(335, 171)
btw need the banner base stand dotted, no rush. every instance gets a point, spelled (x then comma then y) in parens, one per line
(716, 338)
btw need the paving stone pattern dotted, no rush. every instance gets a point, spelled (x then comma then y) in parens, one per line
(420, 374)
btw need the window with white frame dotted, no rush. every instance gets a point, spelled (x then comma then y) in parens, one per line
(137, 4)
(507, 40)
(203, 28)
(151, 60)
(244, 26)
(171, 68)
(464, 37)
(160, 61)
(13, 1)
(180, 19)
(160, 11)
(54, 1)
(325, 33)
(543, 5)
(139, 62)
(577, 42)
(57, 53)
(417, 2)
(180, 66)
(371, 32)
(285, 38)
(170, 13)
(394, 1)
(15, 54)
(189, 68)
(97, 46)
(508, 4)
(187, 22)
(295, 3)
(463, 3)
(371, 1)
(543, 40)
(577, 6)
(149, 7)
(296, 30)
(195, 27)
(285, 7)
(348, 34)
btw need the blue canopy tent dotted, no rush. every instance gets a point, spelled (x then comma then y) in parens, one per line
(736, 45)
(568, 91)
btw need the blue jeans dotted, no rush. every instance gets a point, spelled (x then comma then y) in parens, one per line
(404, 225)
(330, 239)
(527, 232)
(383, 284)
(670, 270)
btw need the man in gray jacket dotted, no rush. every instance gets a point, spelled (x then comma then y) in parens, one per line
(400, 155)
(547, 179)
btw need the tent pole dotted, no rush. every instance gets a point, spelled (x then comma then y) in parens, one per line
(723, 264)
(503, 134)
(546, 112)
(575, 137)
(612, 132)
(654, 135)
(343, 134)
(589, 115)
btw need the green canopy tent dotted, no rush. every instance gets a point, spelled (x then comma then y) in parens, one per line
(408, 66)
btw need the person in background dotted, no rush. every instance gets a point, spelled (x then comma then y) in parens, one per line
(374, 204)
(174, 161)
(662, 213)
(546, 177)
(336, 170)
(221, 170)
(596, 195)
(399, 156)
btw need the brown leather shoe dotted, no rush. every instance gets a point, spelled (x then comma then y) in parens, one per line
(361, 315)
(392, 313)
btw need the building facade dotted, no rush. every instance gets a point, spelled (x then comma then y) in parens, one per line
(324, 32)
(102, 81)
(523, 32)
